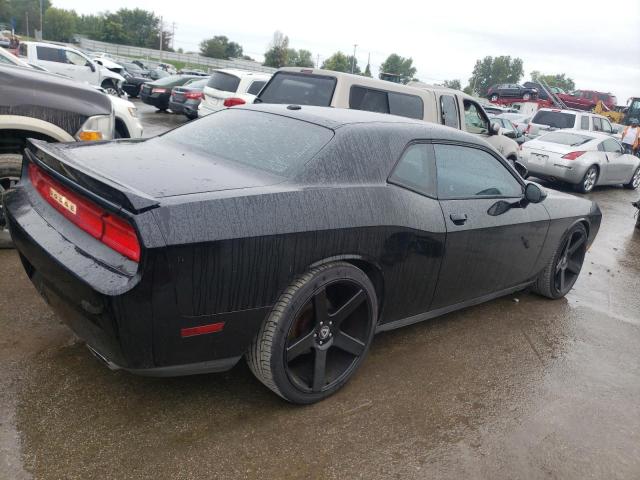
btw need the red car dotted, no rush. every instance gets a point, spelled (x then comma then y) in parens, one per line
(587, 99)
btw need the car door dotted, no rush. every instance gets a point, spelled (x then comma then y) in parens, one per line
(52, 59)
(81, 68)
(487, 249)
(618, 167)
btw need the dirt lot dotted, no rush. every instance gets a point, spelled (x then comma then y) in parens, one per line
(519, 388)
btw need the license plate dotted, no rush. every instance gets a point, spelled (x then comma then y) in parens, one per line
(63, 201)
(538, 158)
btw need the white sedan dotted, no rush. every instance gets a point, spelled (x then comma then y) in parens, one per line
(582, 158)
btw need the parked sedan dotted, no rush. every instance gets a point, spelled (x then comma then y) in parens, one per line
(133, 84)
(509, 129)
(186, 99)
(511, 90)
(157, 93)
(584, 159)
(286, 234)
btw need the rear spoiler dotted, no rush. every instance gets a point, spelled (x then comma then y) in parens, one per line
(103, 190)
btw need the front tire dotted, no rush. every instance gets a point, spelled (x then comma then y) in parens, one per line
(110, 88)
(635, 180)
(589, 180)
(317, 334)
(562, 271)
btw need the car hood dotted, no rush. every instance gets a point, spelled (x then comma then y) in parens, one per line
(159, 168)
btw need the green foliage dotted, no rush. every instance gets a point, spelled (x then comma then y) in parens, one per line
(397, 65)
(18, 9)
(278, 52)
(491, 71)
(136, 27)
(299, 58)
(454, 84)
(220, 47)
(367, 71)
(558, 80)
(59, 24)
(339, 62)
(468, 90)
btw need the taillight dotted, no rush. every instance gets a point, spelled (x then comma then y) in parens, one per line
(572, 155)
(111, 230)
(528, 129)
(230, 102)
(193, 95)
(158, 90)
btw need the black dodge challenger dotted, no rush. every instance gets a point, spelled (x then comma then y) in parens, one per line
(289, 235)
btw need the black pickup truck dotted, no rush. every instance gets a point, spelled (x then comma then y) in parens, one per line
(35, 104)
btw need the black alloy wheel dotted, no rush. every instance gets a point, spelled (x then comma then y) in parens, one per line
(558, 278)
(317, 334)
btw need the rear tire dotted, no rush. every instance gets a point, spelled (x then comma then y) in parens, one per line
(563, 269)
(317, 334)
(589, 180)
(635, 180)
(10, 169)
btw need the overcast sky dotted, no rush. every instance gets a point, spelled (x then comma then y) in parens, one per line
(444, 38)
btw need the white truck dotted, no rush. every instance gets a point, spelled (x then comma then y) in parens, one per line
(71, 63)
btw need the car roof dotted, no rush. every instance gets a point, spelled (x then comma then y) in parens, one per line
(336, 118)
(244, 73)
(581, 112)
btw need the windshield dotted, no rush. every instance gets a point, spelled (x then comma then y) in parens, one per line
(554, 119)
(273, 143)
(299, 89)
(565, 138)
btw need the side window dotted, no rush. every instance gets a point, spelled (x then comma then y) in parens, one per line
(465, 172)
(474, 118)
(610, 145)
(255, 87)
(449, 111)
(361, 98)
(584, 122)
(48, 54)
(606, 126)
(597, 124)
(415, 171)
(22, 50)
(75, 59)
(406, 105)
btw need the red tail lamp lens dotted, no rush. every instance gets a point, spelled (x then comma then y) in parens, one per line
(572, 155)
(111, 230)
(233, 101)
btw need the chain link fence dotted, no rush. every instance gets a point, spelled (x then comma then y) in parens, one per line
(191, 60)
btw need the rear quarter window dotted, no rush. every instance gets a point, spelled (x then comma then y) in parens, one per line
(273, 143)
(299, 89)
(48, 54)
(255, 87)
(224, 82)
(554, 119)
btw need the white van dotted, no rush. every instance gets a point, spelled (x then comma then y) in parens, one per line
(308, 86)
(228, 87)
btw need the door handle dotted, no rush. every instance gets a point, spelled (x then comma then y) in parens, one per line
(458, 218)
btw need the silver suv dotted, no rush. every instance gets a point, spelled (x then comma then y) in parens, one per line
(549, 119)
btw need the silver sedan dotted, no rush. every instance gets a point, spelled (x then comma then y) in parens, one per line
(584, 159)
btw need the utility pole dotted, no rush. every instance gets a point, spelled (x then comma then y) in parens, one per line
(353, 60)
(318, 61)
(173, 35)
(27, 15)
(161, 29)
(41, 19)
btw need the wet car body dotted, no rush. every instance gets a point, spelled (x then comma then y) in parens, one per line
(218, 248)
(186, 99)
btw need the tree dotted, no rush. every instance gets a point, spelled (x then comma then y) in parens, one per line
(397, 65)
(491, 71)
(304, 59)
(215, 47)
(340, 62)
(18, 9)
(557, 80)
(277, 55)
(367, 71)
(59, 24)
(454, 84)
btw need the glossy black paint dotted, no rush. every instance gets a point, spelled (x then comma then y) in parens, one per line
(225, 253)
(161, 100)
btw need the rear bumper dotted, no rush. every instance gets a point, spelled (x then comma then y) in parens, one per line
(556, 169)
(176, 107)
(158, 100)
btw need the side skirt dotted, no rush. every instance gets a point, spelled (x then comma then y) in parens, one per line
(403, 322)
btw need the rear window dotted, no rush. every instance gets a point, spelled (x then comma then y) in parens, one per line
(554, 119)
(273, 143)
(171, 81)
(565, 138)
(299, 89)
(48, 54)
(384, 101)
(224, 82)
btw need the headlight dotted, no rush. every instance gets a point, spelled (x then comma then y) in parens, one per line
(98, 127)
(133, 111)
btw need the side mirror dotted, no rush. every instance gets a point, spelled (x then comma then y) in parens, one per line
(92, 66)
(494, 128)
(533, 193)
(521, 169)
